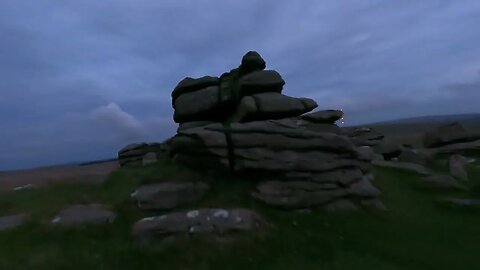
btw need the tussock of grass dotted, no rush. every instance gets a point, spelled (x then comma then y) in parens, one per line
(415, 233)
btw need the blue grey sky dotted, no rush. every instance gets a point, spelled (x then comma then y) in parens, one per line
(81, 79)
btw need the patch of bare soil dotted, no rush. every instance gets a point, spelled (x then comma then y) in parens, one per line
(94, 173)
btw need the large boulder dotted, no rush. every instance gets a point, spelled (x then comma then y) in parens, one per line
(261, 81)
(297, 195)
(200, 105)
(280, 146)
(267, 106)
(446, 134)
(270, 135)
(252, 61)
(188, 85)
(302, 194)
(388, 149)
(80, 214)
(168, 195)
(134, 154)
(200, 221)
(326, 116)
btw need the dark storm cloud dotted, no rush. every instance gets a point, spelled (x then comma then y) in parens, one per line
(82, 78)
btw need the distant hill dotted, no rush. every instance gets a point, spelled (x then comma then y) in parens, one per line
(96, 161)
(411, 130)
(81, 163)
(433, 119)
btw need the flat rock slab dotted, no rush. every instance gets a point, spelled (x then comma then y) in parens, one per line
(13, 221)
(83, 215)
(326, 116)
(168, 195)
(200, 221)
(24, 187)
(188, 85)
(412, 167)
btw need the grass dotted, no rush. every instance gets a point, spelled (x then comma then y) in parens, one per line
(415, 233)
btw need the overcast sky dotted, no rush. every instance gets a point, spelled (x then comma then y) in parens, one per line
(81, 79)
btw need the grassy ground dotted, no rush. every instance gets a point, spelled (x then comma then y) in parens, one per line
(415, 233)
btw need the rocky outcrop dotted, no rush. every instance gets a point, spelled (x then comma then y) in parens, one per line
(327, 191)
(200, 221)
(267, 106)
(168, 195)
(134, 154)
(447, 135)
(267, 146)
(80, 214)
(243, 123)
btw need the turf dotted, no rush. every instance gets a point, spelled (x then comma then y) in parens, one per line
(415, 232)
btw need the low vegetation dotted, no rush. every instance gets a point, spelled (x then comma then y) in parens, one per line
(415, 233)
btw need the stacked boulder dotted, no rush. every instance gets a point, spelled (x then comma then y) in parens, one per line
(244, 94)
(140, 153)
(242, 122)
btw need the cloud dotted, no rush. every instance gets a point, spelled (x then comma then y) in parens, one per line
(464, 88)
(377, 60)
(124, 123)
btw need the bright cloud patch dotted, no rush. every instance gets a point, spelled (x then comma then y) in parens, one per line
(119, 120)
